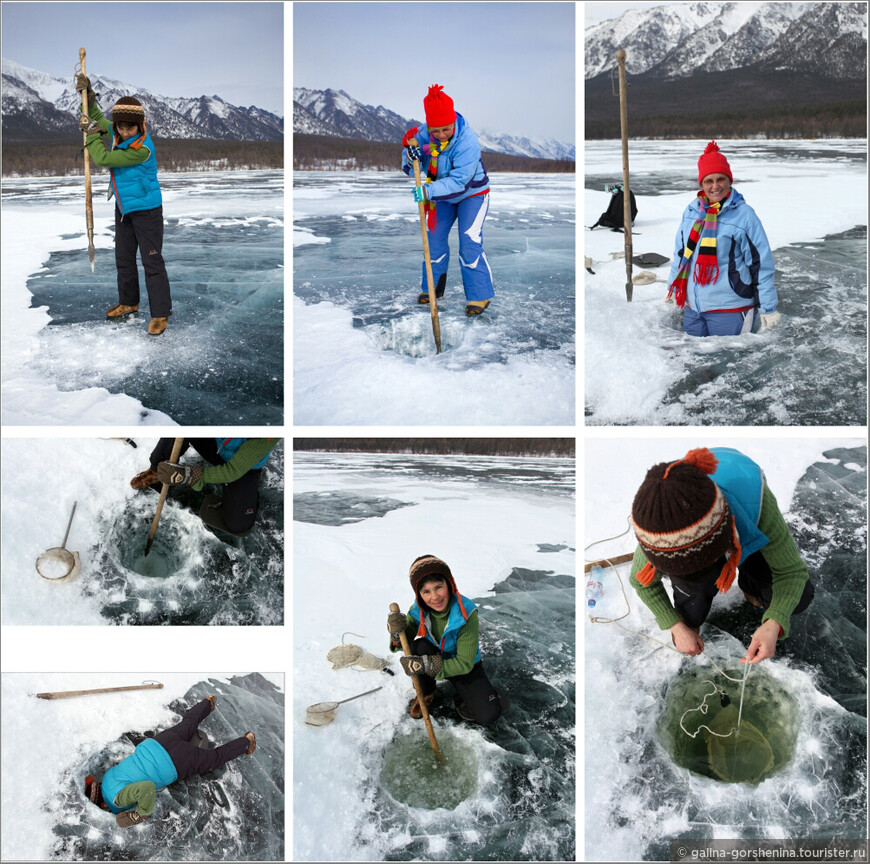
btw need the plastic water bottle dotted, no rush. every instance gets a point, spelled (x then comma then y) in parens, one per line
(594, 587)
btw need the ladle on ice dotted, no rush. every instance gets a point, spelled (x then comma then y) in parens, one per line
(323, 713)
(58, 564)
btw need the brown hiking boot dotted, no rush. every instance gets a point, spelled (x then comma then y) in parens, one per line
(753, 601)
(213, 700)
(253, 745)
(414, 708)
(145, 479)
(157, 326)
(121, 309)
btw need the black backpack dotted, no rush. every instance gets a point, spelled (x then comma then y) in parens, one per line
(614, 217)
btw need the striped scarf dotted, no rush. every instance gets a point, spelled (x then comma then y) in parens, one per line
(436, 148)
(707, 265)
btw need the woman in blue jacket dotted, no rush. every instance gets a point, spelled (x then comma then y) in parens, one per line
(456, 186)
(129, 789)
(138, 203)
(722, 272)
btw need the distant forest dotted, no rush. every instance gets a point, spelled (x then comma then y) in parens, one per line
(441, 446)
(326, 152)
(58, 159)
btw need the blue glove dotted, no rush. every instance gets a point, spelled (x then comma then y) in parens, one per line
(420, 193)
(414, 152)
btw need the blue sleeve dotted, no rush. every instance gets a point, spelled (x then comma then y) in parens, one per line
(422, 138)
(462, 170)
(679, 245)
(766, 288)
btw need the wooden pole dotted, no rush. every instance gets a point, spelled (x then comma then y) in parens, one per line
(626, 215)
(176, 449)
(89, 201)
(66, 694)
(433, 302)
(394, 607)
(609, 562)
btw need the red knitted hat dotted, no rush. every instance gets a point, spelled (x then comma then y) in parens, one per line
(713, 161)
(438, 107)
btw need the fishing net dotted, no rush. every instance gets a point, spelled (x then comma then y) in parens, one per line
(58, 565)
(643, 278)
(348, 654)
(743, 758)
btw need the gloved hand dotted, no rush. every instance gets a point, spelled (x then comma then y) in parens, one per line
(84, 83)
(415, 154)
(396, 625)
(769, 320)
(428, 664)
(411, 133)
(91, 127)
(175, 474)
(129, 818)
(420, 193)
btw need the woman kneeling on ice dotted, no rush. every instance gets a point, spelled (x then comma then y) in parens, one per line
(701, 521)
(723, 269)
(129, 789)
(442, 630)
(455, 185)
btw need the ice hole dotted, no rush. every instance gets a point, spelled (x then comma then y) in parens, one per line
(166, 555)
(768, 727)
(412, 335)
(413, 776)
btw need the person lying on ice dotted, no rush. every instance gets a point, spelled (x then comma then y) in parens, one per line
(701, 521)
(129, 789)
(722, 271)
(138, 203)
(455, 186)
(238, 463)
(442, 628)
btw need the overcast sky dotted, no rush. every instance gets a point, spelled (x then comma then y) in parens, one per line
(232, 50)
(508, 67)
(597, 12)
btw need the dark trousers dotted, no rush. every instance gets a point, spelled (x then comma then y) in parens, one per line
(142, 230)
(186, 756)
(478, 697)
(241, 498)
(693, 599)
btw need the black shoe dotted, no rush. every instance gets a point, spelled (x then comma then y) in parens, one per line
(439, 290)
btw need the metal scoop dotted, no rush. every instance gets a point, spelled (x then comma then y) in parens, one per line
(58, 564)
(323, 713)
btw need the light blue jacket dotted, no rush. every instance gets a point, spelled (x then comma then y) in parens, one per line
(460, 169)
(149, 761)
(135, 187)
(460, 609)
(742, 483)
(746, 265)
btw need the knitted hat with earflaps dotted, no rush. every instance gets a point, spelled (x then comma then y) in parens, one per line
(438, 107)
(683, 522)
(93, 793)
(429, 567)
(128, 109)
(713, 161)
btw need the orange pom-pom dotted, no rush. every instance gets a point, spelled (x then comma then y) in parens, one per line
(703, 459)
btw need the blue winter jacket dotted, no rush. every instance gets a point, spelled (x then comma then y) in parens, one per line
(227, 448)
(746, 265)
(742, 483)
(460, 169)
(459, 612)
(135, 187)
(149, 761)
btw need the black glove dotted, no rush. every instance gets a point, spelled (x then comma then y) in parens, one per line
(175, 474)
(84, 83)
(428, 664)
(415, 154)
(129, 818)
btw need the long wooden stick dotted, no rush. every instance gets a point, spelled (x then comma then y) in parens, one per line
(394, 607)
(66, 694)
(623, 122)
(176, 449)
(609, 562)
(89, 201)
(433, 302)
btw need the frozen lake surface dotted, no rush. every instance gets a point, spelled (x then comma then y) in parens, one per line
(810, 370)
(220, 360)
(507, 791)
(358, 329)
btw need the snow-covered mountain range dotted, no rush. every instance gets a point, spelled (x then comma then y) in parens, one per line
(676, 40)
(35, 104)
(334, 112)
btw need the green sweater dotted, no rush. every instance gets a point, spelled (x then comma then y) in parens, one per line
(244, 459)
(788, 570)
(143, 794)
(111, 158)
(466, 642)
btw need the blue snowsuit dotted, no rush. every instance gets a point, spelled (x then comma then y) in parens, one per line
(460, 191)
(746, 269)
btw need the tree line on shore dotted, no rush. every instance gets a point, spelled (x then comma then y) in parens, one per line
(561, 447)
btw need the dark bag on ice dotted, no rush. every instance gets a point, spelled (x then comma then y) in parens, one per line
(613, 217)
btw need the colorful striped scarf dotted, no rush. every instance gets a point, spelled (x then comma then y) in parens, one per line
(436, 148)
(707, 265)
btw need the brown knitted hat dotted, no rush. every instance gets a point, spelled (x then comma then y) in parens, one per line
(683, 522)
(128, 109)
(93, 791)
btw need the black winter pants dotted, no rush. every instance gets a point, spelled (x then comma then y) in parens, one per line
(241, 498)
(693, 599)
(142, 230)
(478, 697)
(186, 756)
